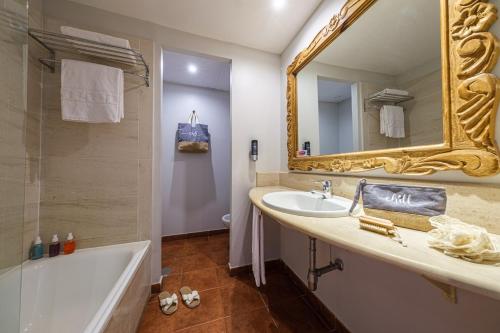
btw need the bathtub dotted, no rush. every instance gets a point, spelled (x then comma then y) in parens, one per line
(93, 290)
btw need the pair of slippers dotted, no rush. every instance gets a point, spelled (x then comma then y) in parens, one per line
(169, 302)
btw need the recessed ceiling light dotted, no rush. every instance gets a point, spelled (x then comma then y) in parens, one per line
(279, 4)
(192, 68)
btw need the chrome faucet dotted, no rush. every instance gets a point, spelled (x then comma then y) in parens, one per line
(327, 189)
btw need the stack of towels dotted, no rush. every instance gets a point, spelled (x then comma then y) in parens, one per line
(91, 92)
(392, 121)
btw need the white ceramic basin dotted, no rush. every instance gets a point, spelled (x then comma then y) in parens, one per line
(307, 204)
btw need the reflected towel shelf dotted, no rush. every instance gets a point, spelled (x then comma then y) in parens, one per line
(127, 59)
(380, 98)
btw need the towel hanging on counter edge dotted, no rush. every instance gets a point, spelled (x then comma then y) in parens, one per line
(258, 261)
(193, 137)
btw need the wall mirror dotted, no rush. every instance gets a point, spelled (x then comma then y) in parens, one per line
(402, 85)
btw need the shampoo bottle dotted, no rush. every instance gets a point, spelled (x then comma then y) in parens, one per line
(36, 251)
(54, 247)
(69, 244)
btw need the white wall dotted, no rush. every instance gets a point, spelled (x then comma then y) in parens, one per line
(335, 127)
(255, 96)
(196, 187)
(345, 128)
(328, 128)
(308, 116)
(371, 296)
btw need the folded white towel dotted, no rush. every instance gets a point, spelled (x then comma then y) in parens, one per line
(258, 262)
(391, 91)
(95, 36)
(91, 93)
(98, 37)
(392, 121)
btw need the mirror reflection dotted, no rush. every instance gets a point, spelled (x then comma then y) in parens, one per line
(377, 86)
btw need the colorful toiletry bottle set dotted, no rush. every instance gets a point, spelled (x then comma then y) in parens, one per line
(69, 246)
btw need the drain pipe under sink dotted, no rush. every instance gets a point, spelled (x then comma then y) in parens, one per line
(314, 273)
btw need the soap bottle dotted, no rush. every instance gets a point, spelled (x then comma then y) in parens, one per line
(36, 251)
(69, 244)
(54, 246)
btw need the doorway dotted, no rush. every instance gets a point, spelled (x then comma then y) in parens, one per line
(196, 185)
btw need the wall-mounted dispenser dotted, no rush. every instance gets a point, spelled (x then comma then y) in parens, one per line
(254, 150)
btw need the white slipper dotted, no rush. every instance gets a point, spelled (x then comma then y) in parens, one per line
(190, 297)
(168, 302)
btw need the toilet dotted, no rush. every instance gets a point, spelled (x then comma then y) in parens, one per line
(226, 219)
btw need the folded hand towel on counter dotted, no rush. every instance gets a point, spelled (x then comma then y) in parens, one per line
(392, 121)
(258, 262)
(91, 93)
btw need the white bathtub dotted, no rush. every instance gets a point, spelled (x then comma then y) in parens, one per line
(85, 291)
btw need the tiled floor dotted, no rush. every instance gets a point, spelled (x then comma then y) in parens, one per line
(228, 304)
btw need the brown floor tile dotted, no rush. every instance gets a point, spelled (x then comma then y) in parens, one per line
(296, 316)
(259, 321)
(178, 249)
(241, 298)
(172, 283)
(196, 262)
(218, 242)
(217, 326)
(198, 242)
(279, 288)
(154, 321)
(226, 280)
(201, 279)
(210, 309)
(174, 264)
(221, 236)
(219, 257)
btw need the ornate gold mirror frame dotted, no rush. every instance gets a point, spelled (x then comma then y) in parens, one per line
(470, 98)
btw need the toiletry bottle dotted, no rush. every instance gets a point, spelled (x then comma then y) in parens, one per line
(69, 244)
(54, 246)
(307, 147)
(36, 251)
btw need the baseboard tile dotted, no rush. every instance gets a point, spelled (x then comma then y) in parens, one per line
(157, 287)
(247, 269)
(194, 234)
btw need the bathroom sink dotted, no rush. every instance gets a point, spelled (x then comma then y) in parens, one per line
(307, 204)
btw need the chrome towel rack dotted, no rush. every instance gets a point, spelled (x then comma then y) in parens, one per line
(130, 60)
(382, 97)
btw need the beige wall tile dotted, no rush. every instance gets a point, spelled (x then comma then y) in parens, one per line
(268, 179)
(96, 178)
(90, 197)
(145, 200)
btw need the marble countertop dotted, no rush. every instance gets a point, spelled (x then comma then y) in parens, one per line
(344, 232)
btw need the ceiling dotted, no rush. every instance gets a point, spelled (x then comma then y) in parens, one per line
(332, 91)
(392, 37)
(210, 72)
(252, 23)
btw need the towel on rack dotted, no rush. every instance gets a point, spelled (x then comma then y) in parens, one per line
(392, 121)
(258, 263)
(91, 93)
(100, 38)
(392, 91)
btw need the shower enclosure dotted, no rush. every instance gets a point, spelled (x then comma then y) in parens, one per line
(13, 157)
